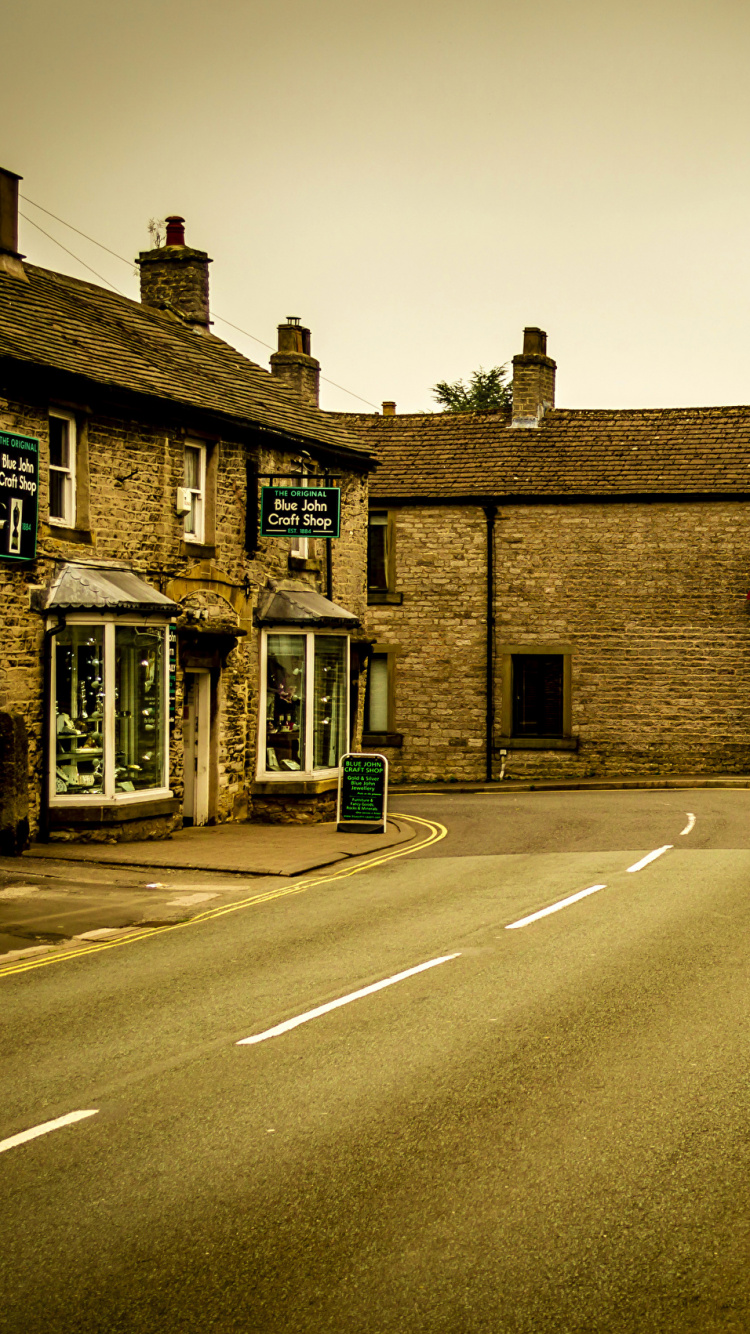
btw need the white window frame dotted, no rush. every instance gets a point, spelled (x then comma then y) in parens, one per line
(68, 519)
(198, 535)
(299, 775)
(109, 797)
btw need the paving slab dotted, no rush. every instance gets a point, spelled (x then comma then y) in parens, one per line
(242, 849)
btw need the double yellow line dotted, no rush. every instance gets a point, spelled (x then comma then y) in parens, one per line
(435, 833)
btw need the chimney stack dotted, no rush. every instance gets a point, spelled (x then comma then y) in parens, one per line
(389, 407)
(293, 363)
(533, 380)
(10, 260)
(175, 277)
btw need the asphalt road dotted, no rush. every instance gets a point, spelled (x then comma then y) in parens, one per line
(547, 1131)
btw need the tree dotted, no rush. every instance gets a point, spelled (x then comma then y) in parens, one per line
(486, 392)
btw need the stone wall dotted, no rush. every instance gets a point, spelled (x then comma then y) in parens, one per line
(650, 598)
(128, 478)
(439, 632)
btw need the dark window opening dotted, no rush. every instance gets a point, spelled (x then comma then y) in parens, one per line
(377, 553)
(538, 694)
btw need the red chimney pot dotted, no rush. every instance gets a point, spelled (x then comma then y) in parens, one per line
(175, 230)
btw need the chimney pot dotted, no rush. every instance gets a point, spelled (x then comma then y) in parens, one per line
(175, 230)
(389, 407)
(534, 342)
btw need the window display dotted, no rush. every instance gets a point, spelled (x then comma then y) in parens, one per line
(329, 711)
(285, 703)
(139, 712)
(109, 717)
(305, 730)
(79, 746)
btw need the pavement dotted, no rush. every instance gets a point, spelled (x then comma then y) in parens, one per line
(58, 895)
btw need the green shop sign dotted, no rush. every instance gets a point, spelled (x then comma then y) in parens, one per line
(19, 490)
(306, 511)
(363, 794)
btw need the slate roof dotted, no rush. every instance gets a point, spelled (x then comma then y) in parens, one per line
(575, 453)
(96, 588)
(69, 325)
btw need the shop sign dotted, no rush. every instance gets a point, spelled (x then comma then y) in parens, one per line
(309, 511)
(363, 793)
(19, 489)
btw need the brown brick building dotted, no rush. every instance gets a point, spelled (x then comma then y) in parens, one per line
(559, 593)
(162, 659)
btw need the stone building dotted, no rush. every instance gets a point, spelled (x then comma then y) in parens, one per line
(163, 660)
(559, 593)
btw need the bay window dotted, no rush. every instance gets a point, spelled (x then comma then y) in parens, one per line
(108, 723)
(305, 703)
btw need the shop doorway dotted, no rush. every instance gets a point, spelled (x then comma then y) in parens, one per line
(197, 746)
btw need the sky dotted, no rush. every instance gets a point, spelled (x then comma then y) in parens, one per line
(416, 180)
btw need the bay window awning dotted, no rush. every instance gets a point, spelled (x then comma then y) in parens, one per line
(303, 606)
(97, 588)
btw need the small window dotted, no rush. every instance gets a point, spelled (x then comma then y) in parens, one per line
(195, 485)
(538, 695)
(378, 553)
(380, 699)
(62, 469)
(376, 699)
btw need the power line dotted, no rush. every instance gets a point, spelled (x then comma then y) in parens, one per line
(76, 230)
(77, 259)
(129, 263)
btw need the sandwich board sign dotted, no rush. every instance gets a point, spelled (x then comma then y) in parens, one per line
(363, 794)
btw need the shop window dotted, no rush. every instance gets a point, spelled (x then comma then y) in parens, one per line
(109, 724)
(306, 703)
(62, 468)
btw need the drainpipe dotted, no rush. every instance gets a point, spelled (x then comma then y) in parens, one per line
(490, 511)
(49, 635)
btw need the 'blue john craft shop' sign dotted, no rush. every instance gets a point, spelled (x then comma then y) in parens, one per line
(19, 490)
(309, 511)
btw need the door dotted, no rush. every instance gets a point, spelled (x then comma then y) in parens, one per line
(197, 727)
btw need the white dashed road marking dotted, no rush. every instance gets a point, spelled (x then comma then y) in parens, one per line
(554, 907)
(650, 857)
(44, 1129)
(343, 1000)
(690, 823)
